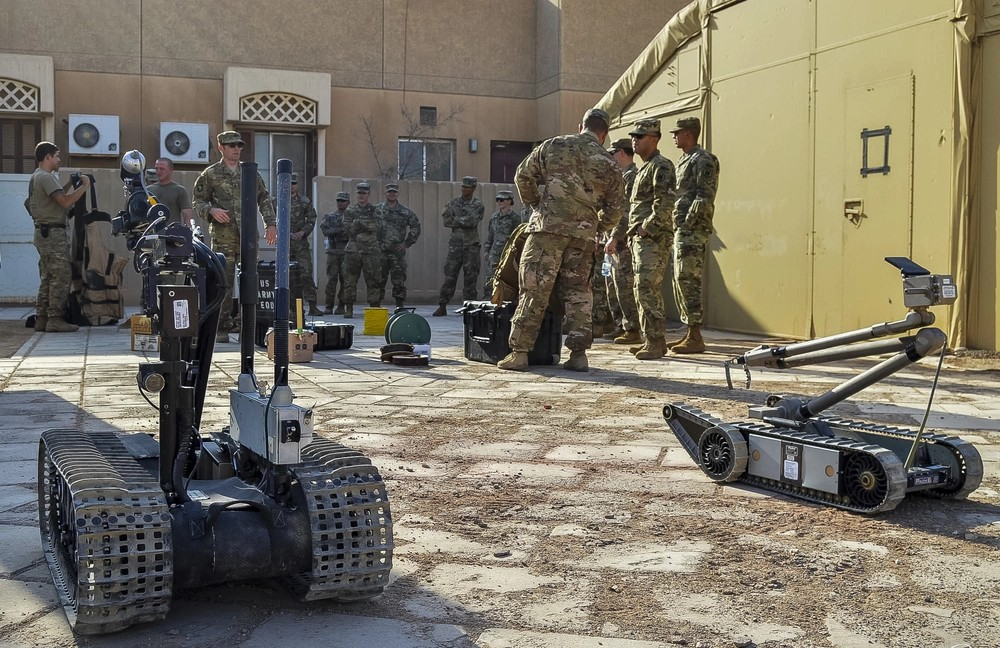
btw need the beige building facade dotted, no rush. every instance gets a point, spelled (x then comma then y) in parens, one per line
(428, 89)
(425, 90)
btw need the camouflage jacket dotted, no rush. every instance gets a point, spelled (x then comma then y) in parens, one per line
(335, 231)
(362, 224)
(399, 225)
(653, 197)
(573, 186)
(501, 225)
(697, 182)
(303, 217)
(463, 218)
(218, 186)
(620, 232)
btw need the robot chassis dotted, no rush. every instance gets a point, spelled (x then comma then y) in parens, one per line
(125, 521)
(856, 466)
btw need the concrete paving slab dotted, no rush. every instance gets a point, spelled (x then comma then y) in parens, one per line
(604, 453)
(18, 472)
(22, 547)
(503, 638)
(317, 632)
(15, 496)
(22, 601)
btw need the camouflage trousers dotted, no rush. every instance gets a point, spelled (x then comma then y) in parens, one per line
(394, 270)
(621, 284)
(226, 241)
(371, 266)
(690, 249)
(602, 306)
(300, 252)
(334, 277)
(464, 258)
(548, 262)
(650, 262)
(54, 272)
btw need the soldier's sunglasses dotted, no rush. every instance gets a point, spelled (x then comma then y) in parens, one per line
(234, 145)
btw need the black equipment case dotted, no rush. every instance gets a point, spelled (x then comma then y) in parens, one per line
(330, 336)
(487, 328)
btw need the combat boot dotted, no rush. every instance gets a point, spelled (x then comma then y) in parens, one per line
(655, 349)
(577, 361)
(328, 310)
(313, 311)
(442, 310)
(615, 333)
(636, 349)
(222, 336)
(629, 337)
(340, 309)
(40, 322)
(59, 325)
(515, 361)
(671, 345)
(693, 343)
(349, 311)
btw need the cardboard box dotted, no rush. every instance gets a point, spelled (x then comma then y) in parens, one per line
(300, 347)
(142, 334)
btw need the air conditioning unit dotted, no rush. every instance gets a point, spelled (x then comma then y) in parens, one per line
(185, 143)
(93, 135)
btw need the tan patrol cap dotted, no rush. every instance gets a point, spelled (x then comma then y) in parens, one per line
(229, 137)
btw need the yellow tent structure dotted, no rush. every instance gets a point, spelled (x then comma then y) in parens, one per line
(847, 131)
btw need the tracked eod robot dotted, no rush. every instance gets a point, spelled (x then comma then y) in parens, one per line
(128, 519)
(861, 467)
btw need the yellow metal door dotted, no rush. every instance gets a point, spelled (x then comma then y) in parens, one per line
(878, 199)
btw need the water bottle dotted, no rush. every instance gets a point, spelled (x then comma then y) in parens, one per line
(606, 266)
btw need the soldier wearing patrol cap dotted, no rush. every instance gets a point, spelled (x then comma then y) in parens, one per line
(502, 223)
(216, 198)
(697, 182)
(363, 253)
(462, 215)
(574, 189)
(621, 284)
(651, 236)
(400, 230)
(334, 230)
(301, 223)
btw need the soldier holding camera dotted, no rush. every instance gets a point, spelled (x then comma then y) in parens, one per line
(48, 204)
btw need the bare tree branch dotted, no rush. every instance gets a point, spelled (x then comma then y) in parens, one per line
(415, 159)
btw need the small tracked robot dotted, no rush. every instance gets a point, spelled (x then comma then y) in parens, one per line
(126, 520)
(847, 464)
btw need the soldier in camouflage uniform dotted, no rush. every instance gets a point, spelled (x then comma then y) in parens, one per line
(502, 223)
(651, 236)
(48, 203)
(697, 182)
(302, 221)
(363, 252)
(622, 280)
(462, 215)
(400, 230)
(574, 188)
(216, 198)
(336, 240)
